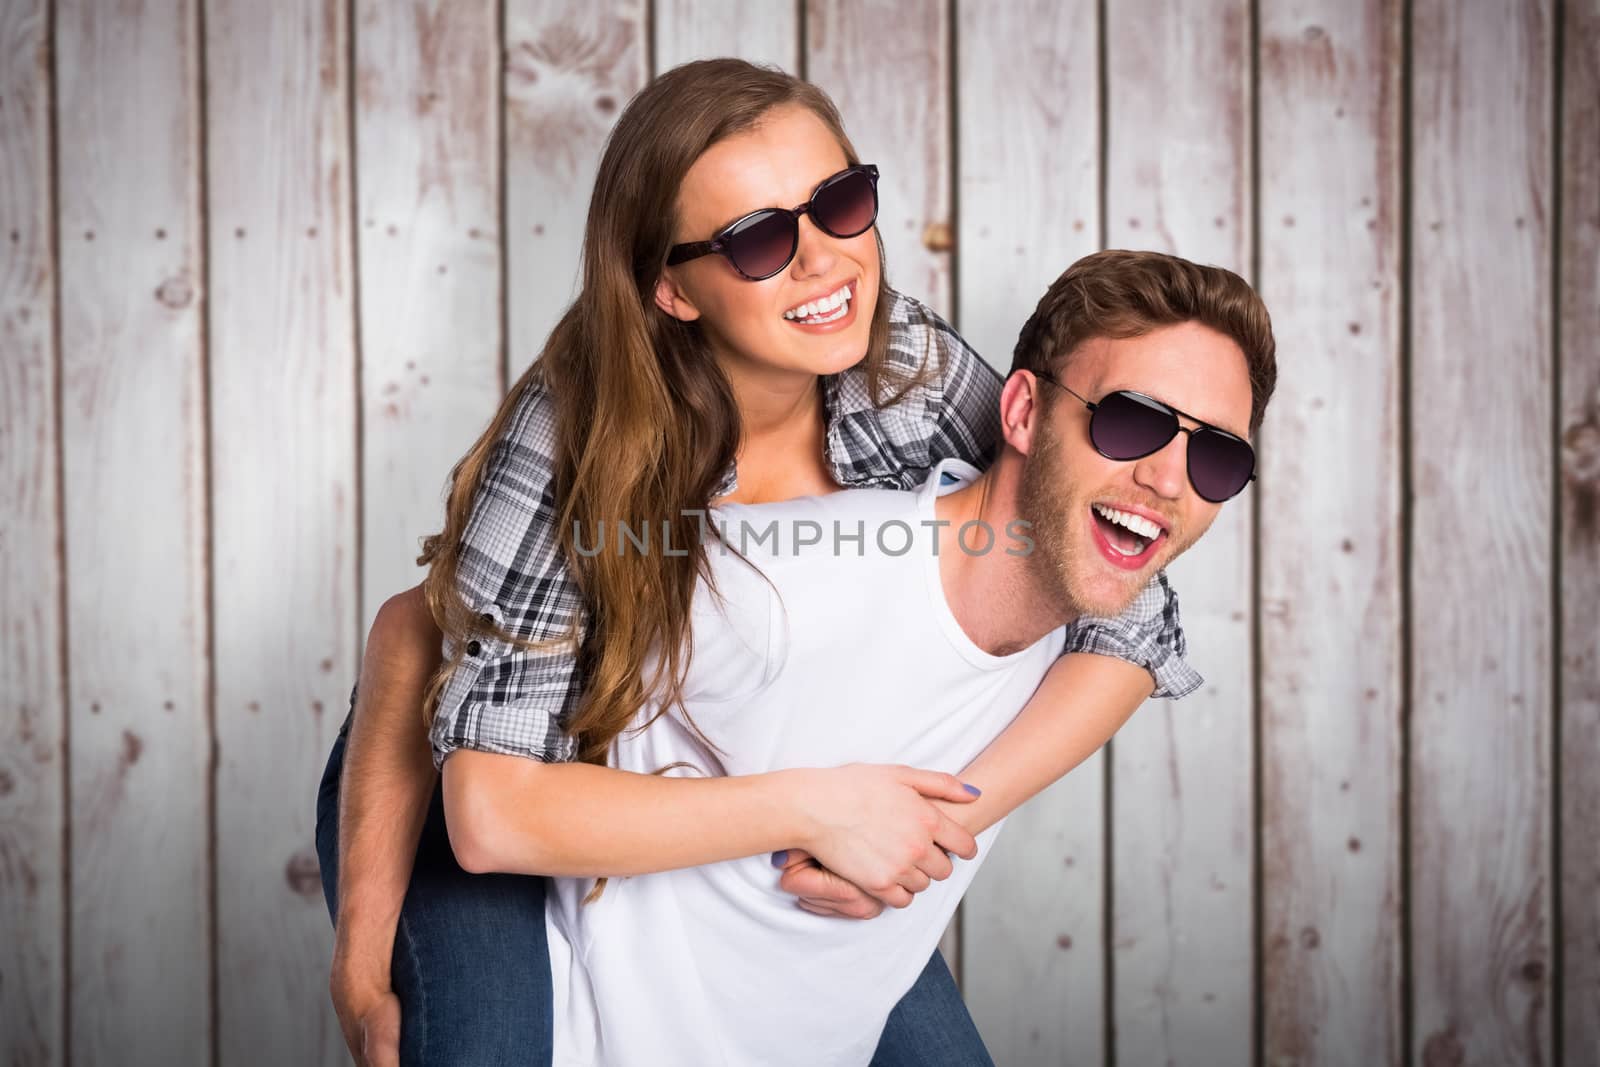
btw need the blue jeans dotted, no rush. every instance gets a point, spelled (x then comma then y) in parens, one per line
(472, 968)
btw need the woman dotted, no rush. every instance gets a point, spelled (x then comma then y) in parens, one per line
(718, 350)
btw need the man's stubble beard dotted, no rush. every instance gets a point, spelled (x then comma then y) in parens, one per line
(1055, 510)
(1043, 500)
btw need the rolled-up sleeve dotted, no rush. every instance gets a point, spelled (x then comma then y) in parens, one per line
(503, 697)
(1149, 633)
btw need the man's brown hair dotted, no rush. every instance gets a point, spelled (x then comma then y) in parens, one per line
(1120, 294)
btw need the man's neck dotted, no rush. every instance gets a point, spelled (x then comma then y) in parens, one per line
(993, 594)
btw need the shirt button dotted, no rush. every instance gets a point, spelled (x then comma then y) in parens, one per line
(473, 648)
(487, 617)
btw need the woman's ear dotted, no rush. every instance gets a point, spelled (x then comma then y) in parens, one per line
(671, 298)
(1019, 410)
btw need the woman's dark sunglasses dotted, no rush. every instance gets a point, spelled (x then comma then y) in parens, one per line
(764, 242)
(1126, 425)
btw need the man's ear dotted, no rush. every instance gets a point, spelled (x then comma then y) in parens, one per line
(671, 298)
(1019, 410)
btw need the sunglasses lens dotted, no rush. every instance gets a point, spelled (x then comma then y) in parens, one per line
(847, 205)
(763, 244)
(1125, 426)
(1219, 465)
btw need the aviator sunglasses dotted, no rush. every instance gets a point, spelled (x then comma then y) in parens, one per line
(1125, 425)
(764, 242)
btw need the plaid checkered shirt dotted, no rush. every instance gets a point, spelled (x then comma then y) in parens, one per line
(510, 700)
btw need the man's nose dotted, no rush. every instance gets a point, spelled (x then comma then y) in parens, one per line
(816, 254)
(1165, 473)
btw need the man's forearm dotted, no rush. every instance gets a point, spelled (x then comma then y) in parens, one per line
(1081, 702)
(387, 783)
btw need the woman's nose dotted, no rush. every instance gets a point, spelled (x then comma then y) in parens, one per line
(816, 255)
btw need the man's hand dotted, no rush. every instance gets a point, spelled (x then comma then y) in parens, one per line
(370, 1019)
(822, 892)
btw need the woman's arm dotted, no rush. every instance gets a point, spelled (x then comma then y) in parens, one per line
(1081, 702)
(873, 823)
(384, 791)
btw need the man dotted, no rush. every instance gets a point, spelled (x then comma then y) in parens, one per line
(1134, 388)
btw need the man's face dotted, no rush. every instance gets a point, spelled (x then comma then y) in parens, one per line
(1083, 554)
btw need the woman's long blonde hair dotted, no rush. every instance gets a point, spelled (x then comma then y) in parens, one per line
(647, 423)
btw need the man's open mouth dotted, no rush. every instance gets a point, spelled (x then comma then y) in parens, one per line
(1126, 539)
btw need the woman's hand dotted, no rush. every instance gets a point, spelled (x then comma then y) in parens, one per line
(876, 827)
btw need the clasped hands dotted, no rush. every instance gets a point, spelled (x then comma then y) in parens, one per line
(888, 834)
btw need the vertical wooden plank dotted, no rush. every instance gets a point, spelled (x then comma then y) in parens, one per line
(428, 173)
(32, 815)
(1178, 174)
(1033, 930)
(1330, 557)
(1482, 536)
(133, 426)
(571, 66)
(1580, 529)
(767, 33)
(284, 507)
(886, 63)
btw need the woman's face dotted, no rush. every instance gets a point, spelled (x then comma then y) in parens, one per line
(776, 164)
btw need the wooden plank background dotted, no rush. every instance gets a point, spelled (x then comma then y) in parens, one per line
(1480, 801)
(33, 727)
(1330, 567)
(267, 269)
(427, 118)
(1578, 714)
(284, 498)
(136, 540)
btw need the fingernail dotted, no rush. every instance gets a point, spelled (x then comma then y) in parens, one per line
(779, 857)
(974, 790)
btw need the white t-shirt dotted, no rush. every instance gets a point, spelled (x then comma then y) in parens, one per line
(850, 654)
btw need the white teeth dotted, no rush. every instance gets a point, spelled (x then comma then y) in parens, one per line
(1137, 523)
(820, 307)
(832, 316)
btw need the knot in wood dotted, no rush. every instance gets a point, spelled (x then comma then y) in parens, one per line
(176, 292)
(1580, 452)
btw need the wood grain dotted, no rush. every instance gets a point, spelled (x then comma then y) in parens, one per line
(283, 502)
(32, 708)
(1178, 168)
(1481, 535)
(887, 64)
(1579, 326)
(1331, 693)
(134, 486)
(763, 32)
(428, 197)
(1028, 123)
(571, 66)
